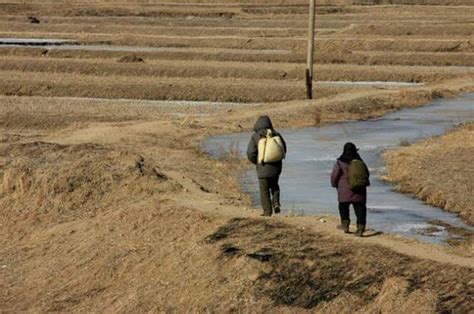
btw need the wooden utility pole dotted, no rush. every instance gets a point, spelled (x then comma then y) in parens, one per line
(309, 65)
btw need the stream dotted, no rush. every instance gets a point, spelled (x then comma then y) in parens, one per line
(312, 152)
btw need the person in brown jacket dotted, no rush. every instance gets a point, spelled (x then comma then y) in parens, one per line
(346, 196)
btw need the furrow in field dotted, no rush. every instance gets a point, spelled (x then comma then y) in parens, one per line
(373, 29)
(456, 59)
(106, 10)
(398, 29)
(252, 3)
(157, 30)
(462, 59)
(322, 21)
(116, 10)
(236, 42)
(137, 10)
(183, 54)
(249, 70)
(208, 89)
(330, 43)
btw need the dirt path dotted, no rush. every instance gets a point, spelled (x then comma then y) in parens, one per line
(212, 203)
(328, 225)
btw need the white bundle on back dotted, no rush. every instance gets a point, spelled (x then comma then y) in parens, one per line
(270, 148)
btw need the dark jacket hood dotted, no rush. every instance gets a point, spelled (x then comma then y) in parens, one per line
(349, 153)
(263, 122)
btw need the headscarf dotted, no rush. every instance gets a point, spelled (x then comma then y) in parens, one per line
(349, 153)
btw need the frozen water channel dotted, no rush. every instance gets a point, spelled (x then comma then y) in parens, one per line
(313, 151)
(64, 44)
(32, 42)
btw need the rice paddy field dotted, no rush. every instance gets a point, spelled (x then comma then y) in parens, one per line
(227, 51)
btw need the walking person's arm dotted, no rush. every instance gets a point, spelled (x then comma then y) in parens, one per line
(336, 175)
(368, 173)
(252, 151)
(284, 143)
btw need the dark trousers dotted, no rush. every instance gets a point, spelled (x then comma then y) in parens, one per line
(360, 211)
(269, 194)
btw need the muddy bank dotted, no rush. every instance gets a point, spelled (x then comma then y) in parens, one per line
(438, 171)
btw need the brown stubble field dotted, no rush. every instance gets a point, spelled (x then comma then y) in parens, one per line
(110, 204)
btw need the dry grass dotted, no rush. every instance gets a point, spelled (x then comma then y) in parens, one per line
(73, 181)
(437, 171)
(194, 89)
(131, 244)
(344, 44)
(106, 205)
(354, 26)
(300, 270)
(336, 57)
(248, 70)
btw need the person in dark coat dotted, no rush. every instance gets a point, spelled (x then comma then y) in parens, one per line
(268, 173)
(346, 196)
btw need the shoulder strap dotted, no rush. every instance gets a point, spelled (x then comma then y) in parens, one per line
(340, 166)
(269, 133)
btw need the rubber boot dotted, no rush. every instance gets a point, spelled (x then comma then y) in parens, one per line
(345, 225)
(360, 230)
(276, 202)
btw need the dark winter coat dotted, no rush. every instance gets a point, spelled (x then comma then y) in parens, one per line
(267, 170)
(344, 192)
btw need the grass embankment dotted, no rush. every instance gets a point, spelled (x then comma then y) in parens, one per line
(197, 89)
(373, 58)
(439, 171)
(246, 70)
